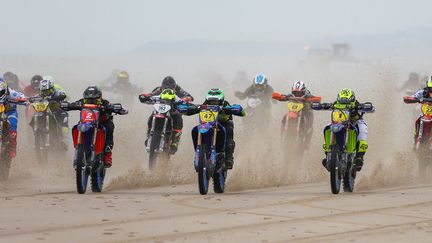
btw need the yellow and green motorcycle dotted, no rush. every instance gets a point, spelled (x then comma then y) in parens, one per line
(340, 143)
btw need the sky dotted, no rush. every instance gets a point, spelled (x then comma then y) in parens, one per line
(117, 26)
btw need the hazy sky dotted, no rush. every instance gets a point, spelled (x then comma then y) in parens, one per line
(70, 26)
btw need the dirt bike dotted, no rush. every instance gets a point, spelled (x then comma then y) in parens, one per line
(253, 103)
(89, 143)
(160, 134)
(209, 142)
(256, 112)
(423, 139)
(5, 160)
(45, 129)
(295, 124)
(342, 134)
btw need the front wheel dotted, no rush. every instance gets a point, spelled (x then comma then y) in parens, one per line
(41, 149)
(203, 178)
(154, 149)
(5, 164)
(81, 171)
(335, 180)
(349, 178)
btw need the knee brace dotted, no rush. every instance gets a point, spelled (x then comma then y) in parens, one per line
(362, 146)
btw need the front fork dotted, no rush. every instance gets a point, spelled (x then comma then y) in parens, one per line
(162, 141)
(213, 148)
(150, 136)
(420, 135)
(93, 151)
(350, 143)
(47, 126)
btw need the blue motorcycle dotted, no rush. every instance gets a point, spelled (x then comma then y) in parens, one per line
(209, 143)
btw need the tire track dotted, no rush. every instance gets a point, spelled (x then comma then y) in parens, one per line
(206, 211)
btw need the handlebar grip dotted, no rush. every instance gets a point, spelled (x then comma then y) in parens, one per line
(316, 106)
(367, 107)
(410, 100)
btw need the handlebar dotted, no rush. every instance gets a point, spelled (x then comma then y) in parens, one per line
(321, 106)
(114, 108)
(36, 99)
(412, 100)
(366, 107)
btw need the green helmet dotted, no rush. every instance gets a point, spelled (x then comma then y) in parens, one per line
(215, 97)
(346, 97)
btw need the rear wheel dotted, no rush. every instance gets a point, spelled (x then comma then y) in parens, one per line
(219, 181)
(203, 178)
(97, 179)
(335, 180)
(81, 172)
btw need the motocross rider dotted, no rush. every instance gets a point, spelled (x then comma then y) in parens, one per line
(299, 90)
(169, 83)
(122, 84)
(217, 97)
(33, 88)
(13, 81)
(6, 94)
(419, 95)
(259, 89)
(93, 95)
(412, 84)
(346, 97)
(55, 95)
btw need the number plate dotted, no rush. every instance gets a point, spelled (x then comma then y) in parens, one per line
(208, 116)
(339, 116)
(40, 107)
(426, 109)
(295, 107)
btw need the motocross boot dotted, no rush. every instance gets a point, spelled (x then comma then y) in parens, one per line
(107, 159)
(358, 161)
(324, 163)
(175, 141)
(12, 144)
(229, 158)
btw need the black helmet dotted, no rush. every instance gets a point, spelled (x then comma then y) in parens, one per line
(169, 83)
(35, 81)
(414, 76)
(10, 77)
(91, 94)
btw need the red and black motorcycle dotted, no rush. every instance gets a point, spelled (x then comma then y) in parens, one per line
(296, 125)
(5, 146)
(89, 143)
(423, 136)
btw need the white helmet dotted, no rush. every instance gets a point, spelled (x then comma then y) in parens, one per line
(4, 89)
(46, 86)
(298, 88)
